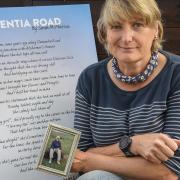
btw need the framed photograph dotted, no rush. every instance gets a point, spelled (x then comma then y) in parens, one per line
(58, 150)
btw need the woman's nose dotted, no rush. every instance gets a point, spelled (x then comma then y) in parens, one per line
(127, 35)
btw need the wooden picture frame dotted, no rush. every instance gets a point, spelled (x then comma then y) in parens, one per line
(54, 159)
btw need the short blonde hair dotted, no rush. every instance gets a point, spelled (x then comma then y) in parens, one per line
(114, 10)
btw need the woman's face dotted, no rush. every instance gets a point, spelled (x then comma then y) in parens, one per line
(131, 41)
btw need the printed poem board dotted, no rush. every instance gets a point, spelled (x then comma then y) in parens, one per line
(43, 49)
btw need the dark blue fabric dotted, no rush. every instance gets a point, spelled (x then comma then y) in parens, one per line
(56, 144)
(104, 112)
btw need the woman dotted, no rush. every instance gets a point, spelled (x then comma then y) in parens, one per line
(127, 106)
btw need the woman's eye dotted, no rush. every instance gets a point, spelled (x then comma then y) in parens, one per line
(116, 27)
(138, 24)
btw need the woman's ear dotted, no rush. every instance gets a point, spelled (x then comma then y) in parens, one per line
(156, 30)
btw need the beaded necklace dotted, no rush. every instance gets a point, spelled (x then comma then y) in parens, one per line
(153, 62)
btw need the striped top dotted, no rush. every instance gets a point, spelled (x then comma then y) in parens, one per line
(104, 112)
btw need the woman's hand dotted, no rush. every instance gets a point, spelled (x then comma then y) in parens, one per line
(156, 147)
(79, 161)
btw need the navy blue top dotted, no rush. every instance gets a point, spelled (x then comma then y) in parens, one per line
(104, 112)
(56, 144)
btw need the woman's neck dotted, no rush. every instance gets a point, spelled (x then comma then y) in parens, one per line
(134, 87)
(134, 68)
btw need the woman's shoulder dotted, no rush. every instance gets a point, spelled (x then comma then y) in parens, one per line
(96, 67)
(171, 57)
(173, 66)
(90, 77)
(173, 62)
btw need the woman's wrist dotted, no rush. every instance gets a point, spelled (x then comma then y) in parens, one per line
(134, 145)
(83, 160)
(80, 161)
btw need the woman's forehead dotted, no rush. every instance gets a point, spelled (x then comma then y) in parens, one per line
(122, 20)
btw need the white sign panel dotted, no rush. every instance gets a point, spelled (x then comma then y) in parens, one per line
(42, 52)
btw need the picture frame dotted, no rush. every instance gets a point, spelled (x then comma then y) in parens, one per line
(58, 150)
